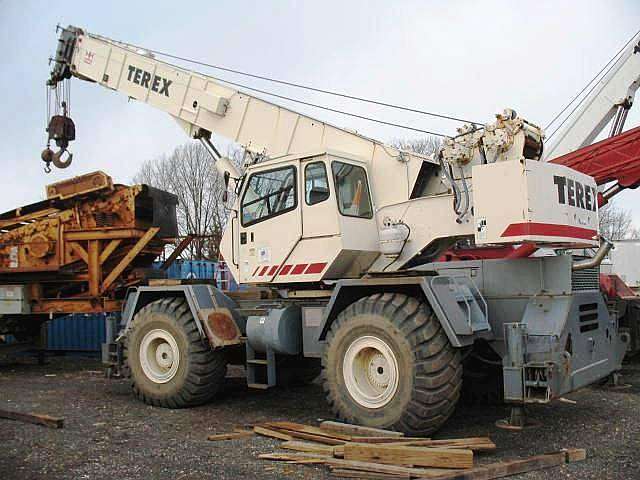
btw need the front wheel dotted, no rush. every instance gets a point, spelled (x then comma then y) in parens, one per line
(388, 363)
(170, 365)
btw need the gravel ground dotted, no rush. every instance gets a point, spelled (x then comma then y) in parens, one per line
(109, 434)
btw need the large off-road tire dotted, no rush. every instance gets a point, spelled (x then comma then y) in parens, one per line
(168, 362)
(388, 363)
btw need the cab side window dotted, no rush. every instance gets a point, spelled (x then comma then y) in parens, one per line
(316, 183)
(352, 190)
(268, 194)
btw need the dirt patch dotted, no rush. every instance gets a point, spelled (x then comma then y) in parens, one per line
(110, 434)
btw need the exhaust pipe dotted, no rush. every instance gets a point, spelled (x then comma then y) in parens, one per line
(605, 248)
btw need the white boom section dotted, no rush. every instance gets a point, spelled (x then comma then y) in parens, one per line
(614, 91)
(203, 105)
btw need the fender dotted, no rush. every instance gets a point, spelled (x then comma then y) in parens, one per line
(455, 300)
(215, 314)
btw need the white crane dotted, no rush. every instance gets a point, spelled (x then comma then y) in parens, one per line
(344, 232)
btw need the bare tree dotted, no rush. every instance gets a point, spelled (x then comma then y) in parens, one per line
(189, 173)
(616, 223)
(424, 146)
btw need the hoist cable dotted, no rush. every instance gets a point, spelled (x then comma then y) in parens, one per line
(299, 85)
(334, 110)
(607, 67)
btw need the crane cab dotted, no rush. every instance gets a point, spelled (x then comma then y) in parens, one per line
(303, 218)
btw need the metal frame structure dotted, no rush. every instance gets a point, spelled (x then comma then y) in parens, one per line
(79, 250)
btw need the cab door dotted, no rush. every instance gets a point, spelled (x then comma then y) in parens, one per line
(269, 221)
(319, 215)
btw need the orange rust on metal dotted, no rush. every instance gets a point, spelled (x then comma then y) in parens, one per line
(222, 325)
(104, 234)
(75, 306)
(89, 183)
(84, 245)
(94, 268)
(81, 252)
(184, 243)
(126, 261)
(108, 250)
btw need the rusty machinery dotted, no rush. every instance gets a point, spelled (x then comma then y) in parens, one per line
(81, 248)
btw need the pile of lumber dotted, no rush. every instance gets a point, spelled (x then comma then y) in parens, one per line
(352, 451)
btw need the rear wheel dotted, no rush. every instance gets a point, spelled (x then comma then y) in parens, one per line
(169, 363)
(388, 363)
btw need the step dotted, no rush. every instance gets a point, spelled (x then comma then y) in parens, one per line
(258, 361)
(259, 386)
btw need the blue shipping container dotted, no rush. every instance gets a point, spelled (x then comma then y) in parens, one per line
(76, 333)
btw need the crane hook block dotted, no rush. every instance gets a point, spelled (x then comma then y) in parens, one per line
(62, 130)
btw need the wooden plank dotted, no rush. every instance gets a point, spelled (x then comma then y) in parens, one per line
(307, 447)
(506, 469)
(418, 456)
(36, 418)
(575, 454)
(128, 258)
(363, 466)
(477, 444)
(357, 430)
(390, 440)
(299, 427)
(230, 436)
(348, 473)
(268, 432)
(293, 458)
(313, 438)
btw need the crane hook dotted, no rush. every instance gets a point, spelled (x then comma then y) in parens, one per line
(58, 161)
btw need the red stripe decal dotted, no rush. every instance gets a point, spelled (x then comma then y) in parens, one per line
(548, 230)
(263, 271)
(315, 268)
(255, 271)
(273, 270)
(298, 269)
(286, 269)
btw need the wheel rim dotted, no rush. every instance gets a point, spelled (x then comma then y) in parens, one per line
(370, 372)
(159, 356)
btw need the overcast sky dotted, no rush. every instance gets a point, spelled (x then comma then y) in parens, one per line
(466, 58)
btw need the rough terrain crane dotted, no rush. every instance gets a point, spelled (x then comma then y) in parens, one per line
(342, 234)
